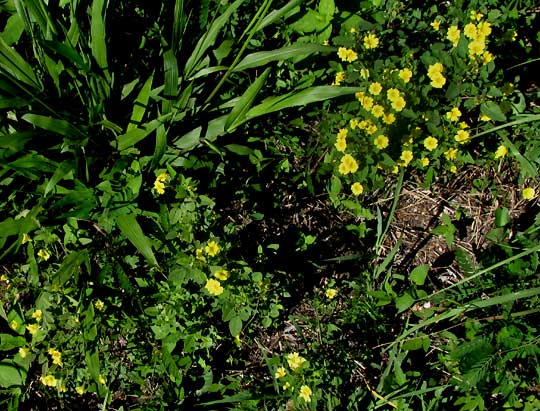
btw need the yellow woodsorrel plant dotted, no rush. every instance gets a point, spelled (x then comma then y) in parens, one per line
(424, 97)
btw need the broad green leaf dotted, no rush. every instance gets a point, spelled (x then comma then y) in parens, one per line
(39, 13)
(92, 363)
(299, 98)
(327, 7)
(239, 149)
(53, 124)
(493, 110)
(403, 302)
(419, 274)
(13, 30)
(11, 374)
(128, 88)
(235, 326)
(170, 91)
(8, 342)
(208, 40)
(62, 171)
(139, 107)
(502, 216)
(238, 113)
(13, 65)
(208, 70)
(69, 53)
(263, 57)
(70, 267)
(132, 137)
(280, 13)
(97, 33)
(132, 230)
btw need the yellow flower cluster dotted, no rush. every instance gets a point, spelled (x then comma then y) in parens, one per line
(295, 360)
(214, 287)
(341, 142)
(159, 184)
(348, 165)
(56, 356)
(396, 99)
(435, 75)
(340, 76)
(48, 380)
(346, 54)
(371, 41)
(37, 315)
(476, 33)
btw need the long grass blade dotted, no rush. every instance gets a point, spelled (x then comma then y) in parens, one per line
(132, 230)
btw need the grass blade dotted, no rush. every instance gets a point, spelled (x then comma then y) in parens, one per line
(97, 32)
(140, 105)
(54, 125)
(13, 65)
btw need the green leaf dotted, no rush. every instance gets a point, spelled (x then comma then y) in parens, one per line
(13, 30)
(419, 274)
(54, 125)
(13, 65)
(207, 40)
(135, 135)
(493, 110)
(244, 103)
(403, 302)
(8, 342)
(62, 171)
(97, 33)
(139, 107)
(92, 363)
(132, 230)
(275, 15)
(10, 374)
(70, 267)
(502, 216)
(263, 57)
(171, 80)
(235, 326)
(239, 149)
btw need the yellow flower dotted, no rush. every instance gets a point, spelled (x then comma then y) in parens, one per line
(398, 104)
(375, 88)
(470, 30)
(32, 328)
(357, 189)
(341, 145)
(463, 125)
(377, 110)
(25, 238)
(501, 151)
(222, 275)
(100, 305)
(424, 161)
(462, 136)
(484, 29)
(305, 393)
(43, 254)
(389, 118)
(435, 69)
(371, 41)
(405, 75)
(487, 57)
(431, 143)
(528, 193)
(347, 54)
(342, 133)
(37, 315)
(406, 157)
(102, 380)
(331, 293)
(23, 352)
(371, 129)
(199, 254)
(453, 169)
(438, 81)
(381, 142)
(286, 386)
(295, 360)
(212, 248)
(454, 114)
(48, 380)
(393, 94)
(353, 123)
(453, 34)
(475, 15)
(348, 164)
(451, 153)
(476, 47)
(366, 102)
(364, 73)
(159, 184)
(340, 76)
(436, 24)
(14, 325)
(280, 373)
(80, 389)
(352, 30)
(484, 117)
(214, 287)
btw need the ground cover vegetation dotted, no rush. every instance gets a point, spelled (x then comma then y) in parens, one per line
(269, 205)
